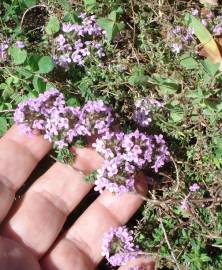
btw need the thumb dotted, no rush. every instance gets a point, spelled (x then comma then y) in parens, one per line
(141, 263)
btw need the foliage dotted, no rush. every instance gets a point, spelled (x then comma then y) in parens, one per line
(138, 63)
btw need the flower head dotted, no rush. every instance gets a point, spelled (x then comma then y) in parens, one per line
(77, 41)
(20, 44)
(118, 247)
(194, 187)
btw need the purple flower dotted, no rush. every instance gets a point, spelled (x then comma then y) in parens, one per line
(176, 47)
(118, 247)
(60, 40)
(127, 154)
(67, 27)
(64, 61)
(176, 30)
(195, 12)
(20, 44)
(144, 108)
(217, 30)
(194, 187)
(97, 117)
(204, 22)
(184, 204)
(78, 41)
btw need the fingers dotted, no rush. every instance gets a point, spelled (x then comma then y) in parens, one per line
(143, 263)
(13, 256)
(19, 154)
(41, 215)
(84, 239)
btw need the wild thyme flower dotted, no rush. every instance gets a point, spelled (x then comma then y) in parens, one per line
(182, 37)
(96, 117)
(118, 247)
(144, 109)
(77, 41)
(194, 187)
(125, 155)
(59, 123)
(38, 112)
(20, 44)
(184, 204)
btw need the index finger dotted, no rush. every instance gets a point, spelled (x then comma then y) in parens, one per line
(19, 155)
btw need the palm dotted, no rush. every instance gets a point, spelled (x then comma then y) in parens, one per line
(35, 221)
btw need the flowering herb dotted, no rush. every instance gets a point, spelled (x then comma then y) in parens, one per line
(77, 41)
(59, 123)
(144, 109)
(20, 44)
(184, 203)
(125, 155)
(181, 36)
(118, 247)
(194, 187)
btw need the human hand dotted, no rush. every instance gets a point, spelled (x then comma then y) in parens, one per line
(31, 226)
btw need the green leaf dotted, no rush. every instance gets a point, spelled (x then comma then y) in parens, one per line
(28, 3)
(73, 102)
(108, 26)
(71, 17)
(65, 5)
(24, 72)
(176, 116)
(167, 86)
(39, 84)
(3, 126)
(45, 64)
(210, 67)
(49, 85)
(91, 178)
(188, 62)
(138, 77)
(90, 4)
(53, 25)
(18, 55)
(7, 90)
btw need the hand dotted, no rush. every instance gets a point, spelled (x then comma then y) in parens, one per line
(31, 226)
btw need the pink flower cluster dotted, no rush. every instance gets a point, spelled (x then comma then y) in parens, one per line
(118, 247)
(59, 123)
(183, 36)
(125, 155)
(144, 109)
(77, 41)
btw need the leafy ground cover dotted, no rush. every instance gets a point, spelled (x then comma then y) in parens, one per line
(145, 59)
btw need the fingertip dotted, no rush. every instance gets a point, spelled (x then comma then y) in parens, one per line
(87, 159)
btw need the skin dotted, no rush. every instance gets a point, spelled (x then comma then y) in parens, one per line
(30, 230)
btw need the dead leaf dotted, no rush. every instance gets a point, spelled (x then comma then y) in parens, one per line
(208, 45)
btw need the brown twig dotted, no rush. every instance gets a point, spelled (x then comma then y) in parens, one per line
(7, 111)
(168, 243)
(177, 174)
(27, 10)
